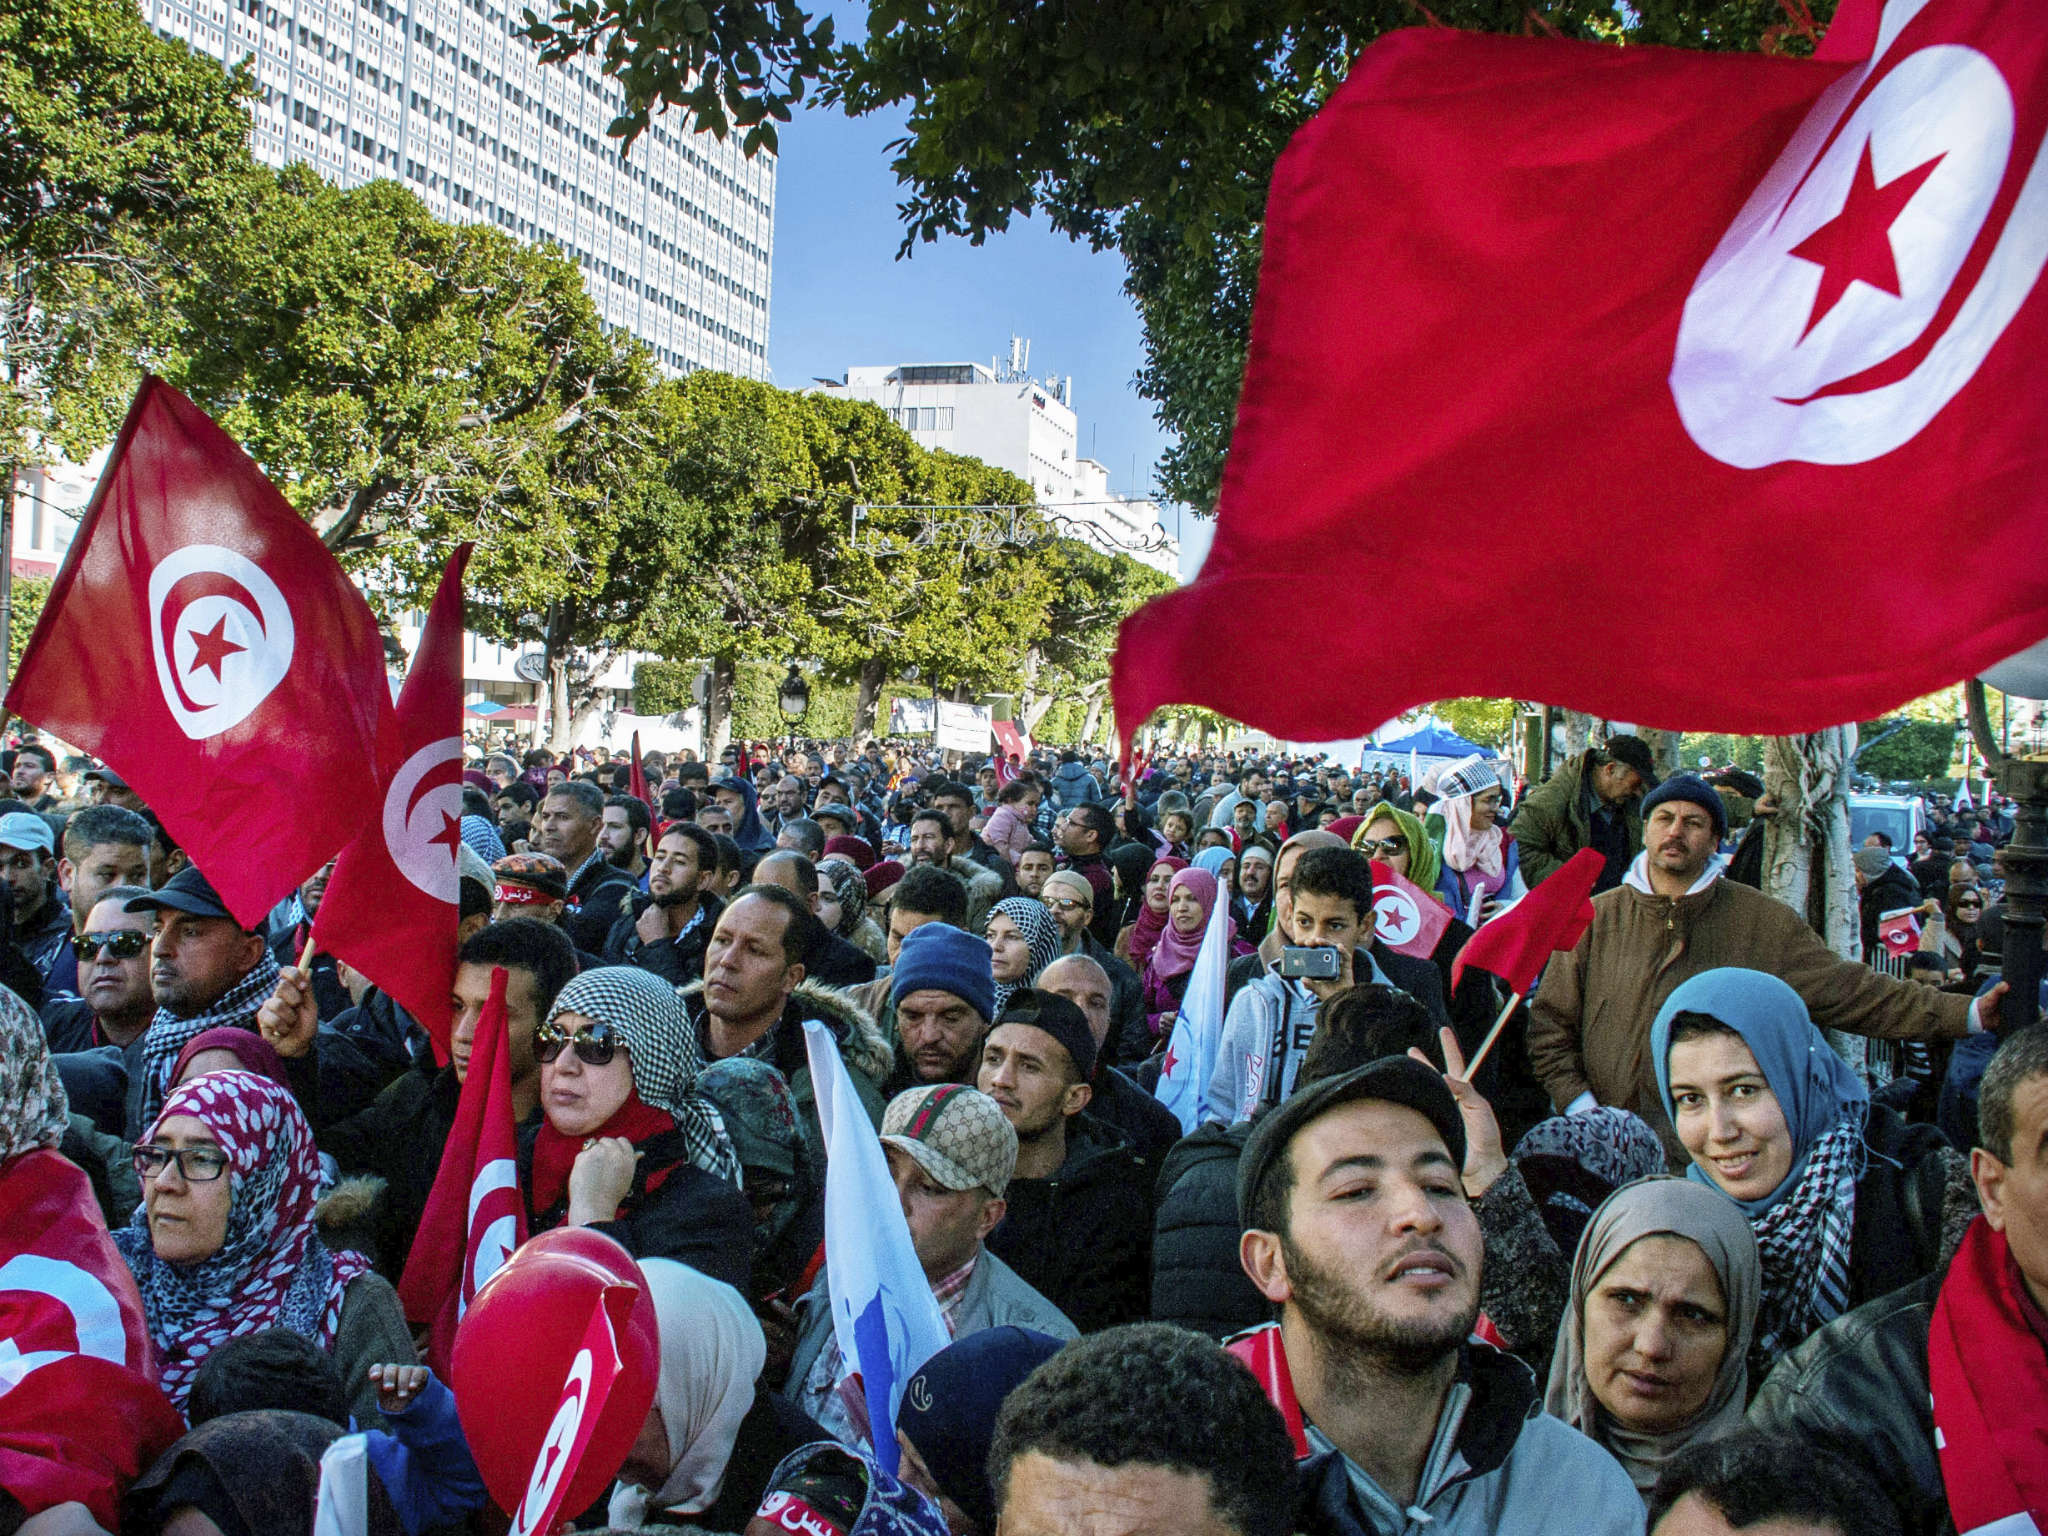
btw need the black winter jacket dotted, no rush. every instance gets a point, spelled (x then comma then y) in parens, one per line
(1859, 1387)
(694, 1218)
(1080, 1238)
(1149, 1126)
(679, 961)
(1197, 1280)
(399, 1138)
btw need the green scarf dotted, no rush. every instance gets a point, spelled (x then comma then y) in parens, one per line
(1425, 858)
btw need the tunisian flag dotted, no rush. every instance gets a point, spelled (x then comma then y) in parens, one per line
(1406, 918)
(392, 904)
(1517, 945)
(474, 1215)
(1665, 353)
(81, 1415)
(204, 642)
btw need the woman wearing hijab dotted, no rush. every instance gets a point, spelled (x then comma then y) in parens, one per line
(1480, 860)
(1653, 1354)
(629, 1144)
(1222, 863)
(1847, 1201)
(714, 1437)
(229, 1050)
(227, 1239)
(1132, 864)
(1190, 897)
(1023, 940)
(843, 907)
(1135, 942)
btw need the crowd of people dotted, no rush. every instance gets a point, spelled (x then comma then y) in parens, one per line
(1665, 1262)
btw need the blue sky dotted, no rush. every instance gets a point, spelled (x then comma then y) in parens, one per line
(841, 297)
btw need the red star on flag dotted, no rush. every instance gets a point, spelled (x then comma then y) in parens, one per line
(1166, 1066)
(1856, 244)
(212, 647)
(450, 835)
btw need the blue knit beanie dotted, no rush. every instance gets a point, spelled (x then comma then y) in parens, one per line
(1690, 787)
(942, 958)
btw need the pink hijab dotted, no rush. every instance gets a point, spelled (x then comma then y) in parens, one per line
(1150, 925)
(1176, 951)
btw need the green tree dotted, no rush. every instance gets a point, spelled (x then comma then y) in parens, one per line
(1905, 748)
(1486, 722)
(115, 148)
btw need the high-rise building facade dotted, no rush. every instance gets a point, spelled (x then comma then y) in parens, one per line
(675, 240)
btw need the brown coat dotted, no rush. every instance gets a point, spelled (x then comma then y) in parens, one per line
(1589, 1026)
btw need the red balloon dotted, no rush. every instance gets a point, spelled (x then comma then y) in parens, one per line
(514, 1347)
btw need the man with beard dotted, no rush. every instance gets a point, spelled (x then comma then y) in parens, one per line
(943, 996)
(931, 838)
(1357, 1228)
(623, 834)
(666, 931)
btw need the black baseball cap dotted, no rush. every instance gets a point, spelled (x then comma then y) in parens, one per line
(1395, 1079)
(187, 891)
(1058, 1017)
(1633, 752)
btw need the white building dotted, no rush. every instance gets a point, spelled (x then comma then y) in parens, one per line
(1004, 417)
(442, 96)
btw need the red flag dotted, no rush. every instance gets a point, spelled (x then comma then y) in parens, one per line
(392, 905)
(204, 642)
(1899, 931)
(1554, 916)
(592, 1371)
(474, 1215)
(1264, 1353)
(1406, 918)
(1724, 324)
(81, 1415)
(636, 779)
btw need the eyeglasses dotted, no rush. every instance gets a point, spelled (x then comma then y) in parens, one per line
(1068, 904)
(1372, 848)
(196, 1165)
(594, 1047)
(124, 944)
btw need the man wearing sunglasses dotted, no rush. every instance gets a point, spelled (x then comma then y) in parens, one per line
(113, 976)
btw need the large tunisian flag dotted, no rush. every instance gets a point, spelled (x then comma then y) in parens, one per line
(204, 642)
(392, 905)
(1667, 355)
(81, 1415)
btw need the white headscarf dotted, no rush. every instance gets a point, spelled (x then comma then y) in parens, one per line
(712, 1352)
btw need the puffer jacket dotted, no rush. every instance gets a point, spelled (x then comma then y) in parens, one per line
(1081, 1237)
(1197, 1280)
(1589, 1026)
(1889, 892)
(1859, 1387)
(1073, 785)
(1552, 823)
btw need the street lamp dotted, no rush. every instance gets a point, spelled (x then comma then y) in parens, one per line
(793, 698)
(2025, 779)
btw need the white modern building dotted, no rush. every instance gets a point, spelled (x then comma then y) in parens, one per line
(1002, 416)
(674, 241)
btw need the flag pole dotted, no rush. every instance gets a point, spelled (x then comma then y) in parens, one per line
(1493, 1034)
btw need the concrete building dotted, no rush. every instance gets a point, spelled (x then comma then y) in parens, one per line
(1002, 416)
(674, 242)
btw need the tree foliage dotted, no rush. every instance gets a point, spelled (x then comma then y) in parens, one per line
(1904, 748)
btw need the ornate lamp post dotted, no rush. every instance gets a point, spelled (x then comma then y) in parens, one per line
(2025, 780)
(793, 698)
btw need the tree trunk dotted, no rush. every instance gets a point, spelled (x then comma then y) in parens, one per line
(1664, 752)
(1806, 850)
(872, 675)
(1037, 709)
(1578, 731)
(558, 701)
(1093, 719)
(718, 705)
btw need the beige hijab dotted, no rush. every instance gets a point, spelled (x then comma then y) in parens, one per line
(1650, 1208)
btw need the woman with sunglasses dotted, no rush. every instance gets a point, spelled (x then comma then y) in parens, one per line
(228, 1239)
(1955, 936)
(628, 1144)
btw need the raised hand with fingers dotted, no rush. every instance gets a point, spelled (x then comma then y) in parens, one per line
(1485, 1159)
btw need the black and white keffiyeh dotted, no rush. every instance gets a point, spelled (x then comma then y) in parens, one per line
(1803, 1241)
(662, 1051)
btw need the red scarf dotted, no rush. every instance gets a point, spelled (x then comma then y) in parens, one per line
(1989, 1374)
(555, 1154)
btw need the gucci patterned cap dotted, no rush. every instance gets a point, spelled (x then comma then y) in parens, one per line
(955, 1134)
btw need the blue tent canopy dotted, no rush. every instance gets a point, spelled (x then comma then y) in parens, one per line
(1435, 740)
